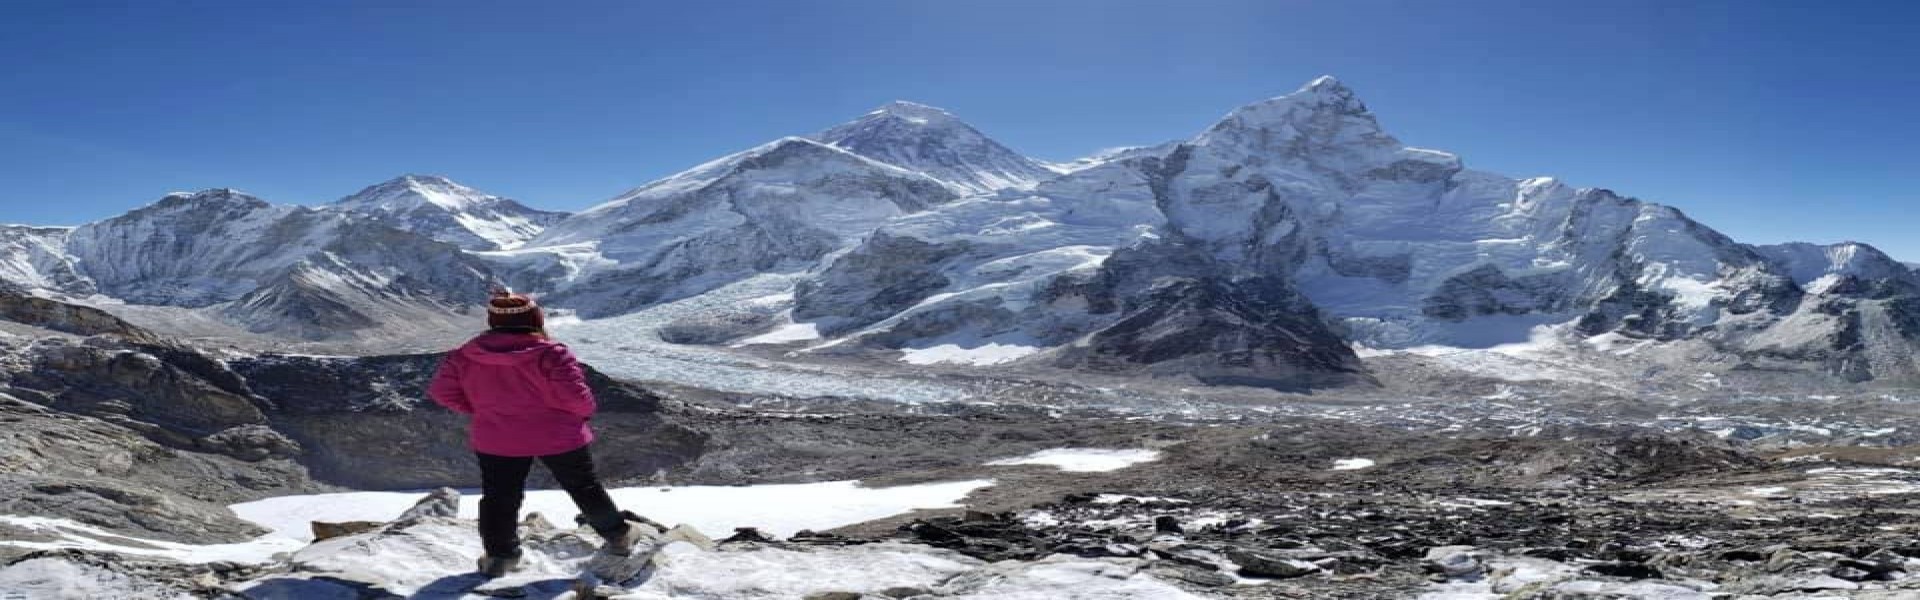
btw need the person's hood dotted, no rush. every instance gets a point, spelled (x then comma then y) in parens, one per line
(506, 348)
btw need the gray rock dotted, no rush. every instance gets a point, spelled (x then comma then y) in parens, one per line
(1258, 564)
(1196, 576)
(440, 503)
(1455, 563)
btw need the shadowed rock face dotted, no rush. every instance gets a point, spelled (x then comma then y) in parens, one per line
(884, 276)
(173, 396)
(59, 316)
(107, 473)
(1180, 312)
(368, 423)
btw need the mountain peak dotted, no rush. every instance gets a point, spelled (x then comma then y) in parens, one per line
(447, 211)
(223, 197)
(930, 140)
(420, 179)
(914, 112)
(1326, 84)
(1324, 93)
(413, 190)
(1324, 113)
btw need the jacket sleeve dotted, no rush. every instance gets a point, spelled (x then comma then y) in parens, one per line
(446, 389)
(567, 385)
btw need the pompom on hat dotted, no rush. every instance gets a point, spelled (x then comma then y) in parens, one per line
(509, 310)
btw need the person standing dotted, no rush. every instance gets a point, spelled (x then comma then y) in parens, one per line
(528, 400)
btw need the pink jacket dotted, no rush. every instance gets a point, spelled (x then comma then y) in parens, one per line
(526, 394)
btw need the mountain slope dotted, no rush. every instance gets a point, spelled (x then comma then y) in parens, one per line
(932, 141)
(306, 273)
(197, 249)
(781, 205)
(371, 276)
(437, 207)
(36, 258)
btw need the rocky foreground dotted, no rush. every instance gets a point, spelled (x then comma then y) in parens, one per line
(1223, 512)
(1470, 490)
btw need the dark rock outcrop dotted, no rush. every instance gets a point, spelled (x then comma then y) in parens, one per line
(368, 424)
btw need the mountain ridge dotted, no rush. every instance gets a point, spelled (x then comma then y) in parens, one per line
(906, 229)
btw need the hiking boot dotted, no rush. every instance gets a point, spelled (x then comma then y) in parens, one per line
(497, 566)
(621, 544)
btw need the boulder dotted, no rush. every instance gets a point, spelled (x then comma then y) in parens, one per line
(1256, 564)
(1463, 563)
(443, 502)
(324, 530)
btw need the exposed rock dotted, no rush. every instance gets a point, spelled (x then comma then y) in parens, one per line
(442, 503)
(66, 317)
(1257, 564)
(1167, 524)
(1450, 563)
(323, 530)
(748, 535)
(367, 424)
(1626, 570)
(106, 475)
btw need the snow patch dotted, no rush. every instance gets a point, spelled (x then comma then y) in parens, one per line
(780, 509)
(1352, 464)
(990, 353)
(1083, 460)
(791, 332)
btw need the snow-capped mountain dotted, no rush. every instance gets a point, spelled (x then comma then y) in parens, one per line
(439, 208)
(36, 258)
(309, 273)
(197, 249)
(1260, 250)
(783, 205)
(370, 276)
(1304, 194)
(934, 142)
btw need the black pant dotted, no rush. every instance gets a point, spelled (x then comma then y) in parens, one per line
(503, 483)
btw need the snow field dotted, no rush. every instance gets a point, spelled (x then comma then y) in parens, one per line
(780, 510)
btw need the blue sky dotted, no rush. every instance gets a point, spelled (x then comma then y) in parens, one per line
(1770, 120)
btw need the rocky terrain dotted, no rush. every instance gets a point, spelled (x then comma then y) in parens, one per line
(1519, 494)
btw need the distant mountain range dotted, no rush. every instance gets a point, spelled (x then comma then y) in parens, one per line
(1260, 251)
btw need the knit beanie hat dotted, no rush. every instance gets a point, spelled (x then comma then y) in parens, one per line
(507, 309)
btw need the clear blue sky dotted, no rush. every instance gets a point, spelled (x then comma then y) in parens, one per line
(1770, 120)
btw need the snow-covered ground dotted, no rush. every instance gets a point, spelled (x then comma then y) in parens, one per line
(780, 510)
(1083, 460)
(433, 559)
